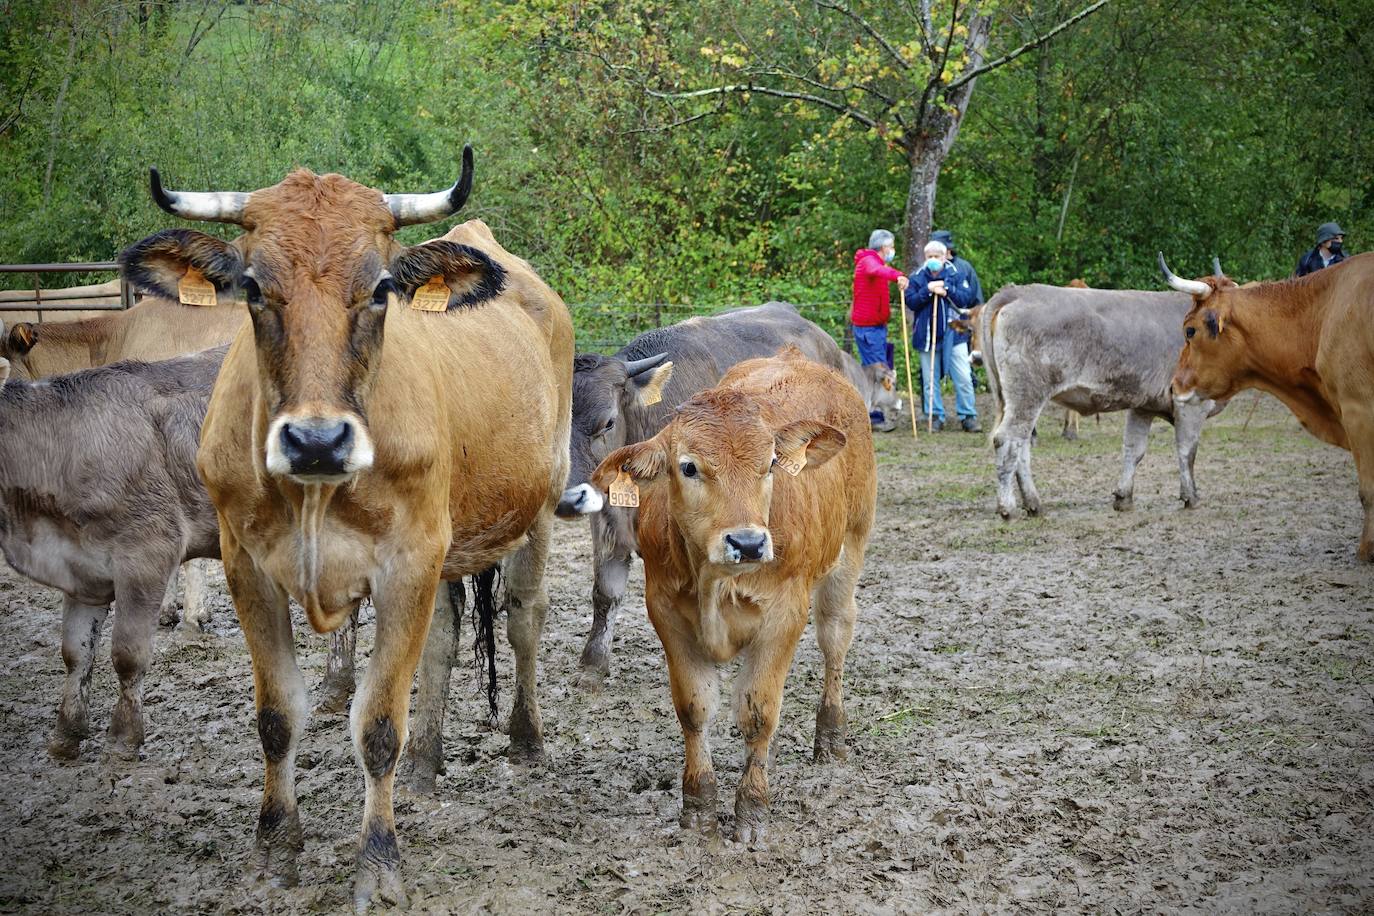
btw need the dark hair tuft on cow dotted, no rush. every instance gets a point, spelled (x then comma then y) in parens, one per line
(22, 337)
(154, 264)
(1213, 327)
(484, 280)
(585, 362)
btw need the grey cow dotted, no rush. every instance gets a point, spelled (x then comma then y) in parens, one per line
(99, 498)
(876, 382)
(629, 397)
(1093, 351)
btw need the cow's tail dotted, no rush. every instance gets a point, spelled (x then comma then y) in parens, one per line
(484, 586)
(985, 337)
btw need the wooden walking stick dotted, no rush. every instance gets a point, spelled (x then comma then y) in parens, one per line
(930, 382)
(910, 391)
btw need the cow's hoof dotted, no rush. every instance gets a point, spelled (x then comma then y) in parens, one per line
(1122, 503)
(336, 694)
(378, 884)
(419, 777)
(1033, 510)
(169, 617)
(590, 681)
(1191, 503)
(751, 819)
(65, 742)
(1004, 512)
(831, 725)
(124, 745)
(1070, 436)
(700, 820)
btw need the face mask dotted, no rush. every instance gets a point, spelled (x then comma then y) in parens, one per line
(1335, 247)
(934, 265)
(888, 255)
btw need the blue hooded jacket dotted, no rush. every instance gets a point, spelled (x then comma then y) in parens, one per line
(960, 293)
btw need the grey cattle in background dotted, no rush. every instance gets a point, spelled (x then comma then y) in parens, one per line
(99, 498)
(629, 397)
(877, 383)
(1093, 351)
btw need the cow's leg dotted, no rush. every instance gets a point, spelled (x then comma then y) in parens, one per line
(169, 616)
(282, 707)
(1030, 496)
(1134, 442)
(836, 611)
(195, 615)
(527, 604)
(1070, 424)
(1009, 439)
(611, 572)
(758, 702)
(425, 749)
(336, 689)
(1358, 419)
(696, 693)
(1187, 432)
(138, 598)
(81, 626)
(380, 716)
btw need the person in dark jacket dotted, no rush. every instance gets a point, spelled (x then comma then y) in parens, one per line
(966, 272)
(1330, 250)
(936, 295)
(870, 308)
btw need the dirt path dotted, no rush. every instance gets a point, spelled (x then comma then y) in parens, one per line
(1088, 712)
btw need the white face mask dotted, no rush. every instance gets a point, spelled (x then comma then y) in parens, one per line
(888, 255)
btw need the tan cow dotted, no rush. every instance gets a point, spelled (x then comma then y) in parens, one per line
(757, 501)
(1308, 341)
(360, 442)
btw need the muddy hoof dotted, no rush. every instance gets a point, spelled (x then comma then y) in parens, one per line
(65, 742)
(1005, 513)
(590, 681)
(527, 754)
(751, 821)
(699, 820)
(169, 617)
(1190, 503)
(377, 884)
(334, 698)
(123, 747)
(831, 725)
(1033, 510)
(1122, 503)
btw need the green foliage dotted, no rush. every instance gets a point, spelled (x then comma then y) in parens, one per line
(1234, 135)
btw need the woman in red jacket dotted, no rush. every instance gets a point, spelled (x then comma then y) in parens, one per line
(871, 305)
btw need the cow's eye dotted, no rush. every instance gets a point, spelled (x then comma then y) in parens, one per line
(385, 287)
(607, 426)
(1189, 332)
(688, 468)
(251, 291)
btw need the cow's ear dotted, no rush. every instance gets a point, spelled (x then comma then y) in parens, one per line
(158, 264)
(1214, 323)
(21, 338)
(818, 441)
(643, 461)
(471, 277)
(648, 386)
(962, 326)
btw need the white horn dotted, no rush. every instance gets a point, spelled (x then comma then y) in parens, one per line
(212, 206)
(410, 209)
(1191, 287)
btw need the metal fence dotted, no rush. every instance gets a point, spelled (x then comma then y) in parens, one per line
(117, 294)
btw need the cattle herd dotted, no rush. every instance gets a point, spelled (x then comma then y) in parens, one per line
(329, 413)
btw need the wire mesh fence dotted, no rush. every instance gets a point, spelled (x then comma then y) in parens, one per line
(605, 328)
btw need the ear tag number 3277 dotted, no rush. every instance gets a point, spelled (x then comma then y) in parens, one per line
(624, 491)
(792, 462)
(432, 297)
(194, 289)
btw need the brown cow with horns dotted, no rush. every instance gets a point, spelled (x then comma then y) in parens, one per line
(359, 442)
(734, 554)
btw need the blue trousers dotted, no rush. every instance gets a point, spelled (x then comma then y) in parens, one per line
(873, 348)
(953, 359)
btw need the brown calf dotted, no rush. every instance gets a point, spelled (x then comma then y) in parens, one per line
(757, 501)
(360, 442)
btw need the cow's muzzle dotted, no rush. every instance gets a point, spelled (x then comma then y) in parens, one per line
(583, 499)
(318, 449)
(745, 545)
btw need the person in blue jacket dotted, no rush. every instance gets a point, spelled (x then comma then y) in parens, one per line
(940, 291)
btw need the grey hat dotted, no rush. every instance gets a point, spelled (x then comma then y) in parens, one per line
(943, 235)
(1328, 231)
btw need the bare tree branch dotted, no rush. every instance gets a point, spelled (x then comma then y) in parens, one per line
(867, 27)
(742, 88)
(663, 128)
(1028, 46)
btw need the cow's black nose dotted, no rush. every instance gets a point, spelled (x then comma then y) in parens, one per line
(748, 544)
(317, 449)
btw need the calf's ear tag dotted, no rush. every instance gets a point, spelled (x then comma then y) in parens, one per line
(432, 297)
(194, 289)
(792, 462)
(624, 492)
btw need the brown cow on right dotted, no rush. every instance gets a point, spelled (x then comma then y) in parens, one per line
(758, 499)
(1307, 341)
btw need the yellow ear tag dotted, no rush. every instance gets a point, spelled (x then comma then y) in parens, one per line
(432, 297)
(624, 491)
(194, 289)
(792, 462)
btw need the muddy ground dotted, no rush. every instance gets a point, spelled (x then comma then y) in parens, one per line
(1088, 712)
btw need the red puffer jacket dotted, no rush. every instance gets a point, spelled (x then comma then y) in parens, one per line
(871, 298)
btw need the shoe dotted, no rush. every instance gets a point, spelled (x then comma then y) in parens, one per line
(938, 425)
(885, 425)
(970, 425)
